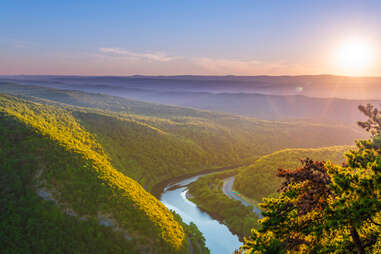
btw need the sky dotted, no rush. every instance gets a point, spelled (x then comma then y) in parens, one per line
(206, 37)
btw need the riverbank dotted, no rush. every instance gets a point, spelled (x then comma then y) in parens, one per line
(219, 239)
(158, 189)
(227, 189)
(207, 194)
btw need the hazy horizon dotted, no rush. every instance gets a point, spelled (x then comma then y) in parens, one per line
(197, 75)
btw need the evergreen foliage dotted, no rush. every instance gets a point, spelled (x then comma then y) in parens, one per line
(327, 208)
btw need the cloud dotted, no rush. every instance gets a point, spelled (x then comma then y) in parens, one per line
(157, 56)
(119, 61)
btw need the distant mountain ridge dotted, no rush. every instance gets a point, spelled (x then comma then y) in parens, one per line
(264, 97)
(324, 86)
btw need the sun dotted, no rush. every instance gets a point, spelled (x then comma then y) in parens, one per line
(354, 57)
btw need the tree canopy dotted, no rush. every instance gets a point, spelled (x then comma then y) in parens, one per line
(327, 208)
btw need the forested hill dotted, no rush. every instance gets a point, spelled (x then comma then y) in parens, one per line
(263, 171)
(76, 166)
(151, 142)
(89, 206)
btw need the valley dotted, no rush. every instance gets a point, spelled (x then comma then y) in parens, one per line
(106, 160)
(190, 127)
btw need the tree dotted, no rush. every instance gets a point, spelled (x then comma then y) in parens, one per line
(327, 208)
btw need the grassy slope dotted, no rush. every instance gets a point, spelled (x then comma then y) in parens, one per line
(73, 166)
(259, 179)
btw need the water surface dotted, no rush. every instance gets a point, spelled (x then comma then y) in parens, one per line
(218, 237)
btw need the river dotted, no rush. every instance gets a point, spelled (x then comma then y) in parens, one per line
(218, 237)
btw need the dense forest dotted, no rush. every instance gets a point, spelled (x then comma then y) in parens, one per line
(54, 174)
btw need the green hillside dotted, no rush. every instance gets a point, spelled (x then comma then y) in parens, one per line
(44, 150)
(93, 156)
(259, 179)
(152, 149)
(151, 143)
